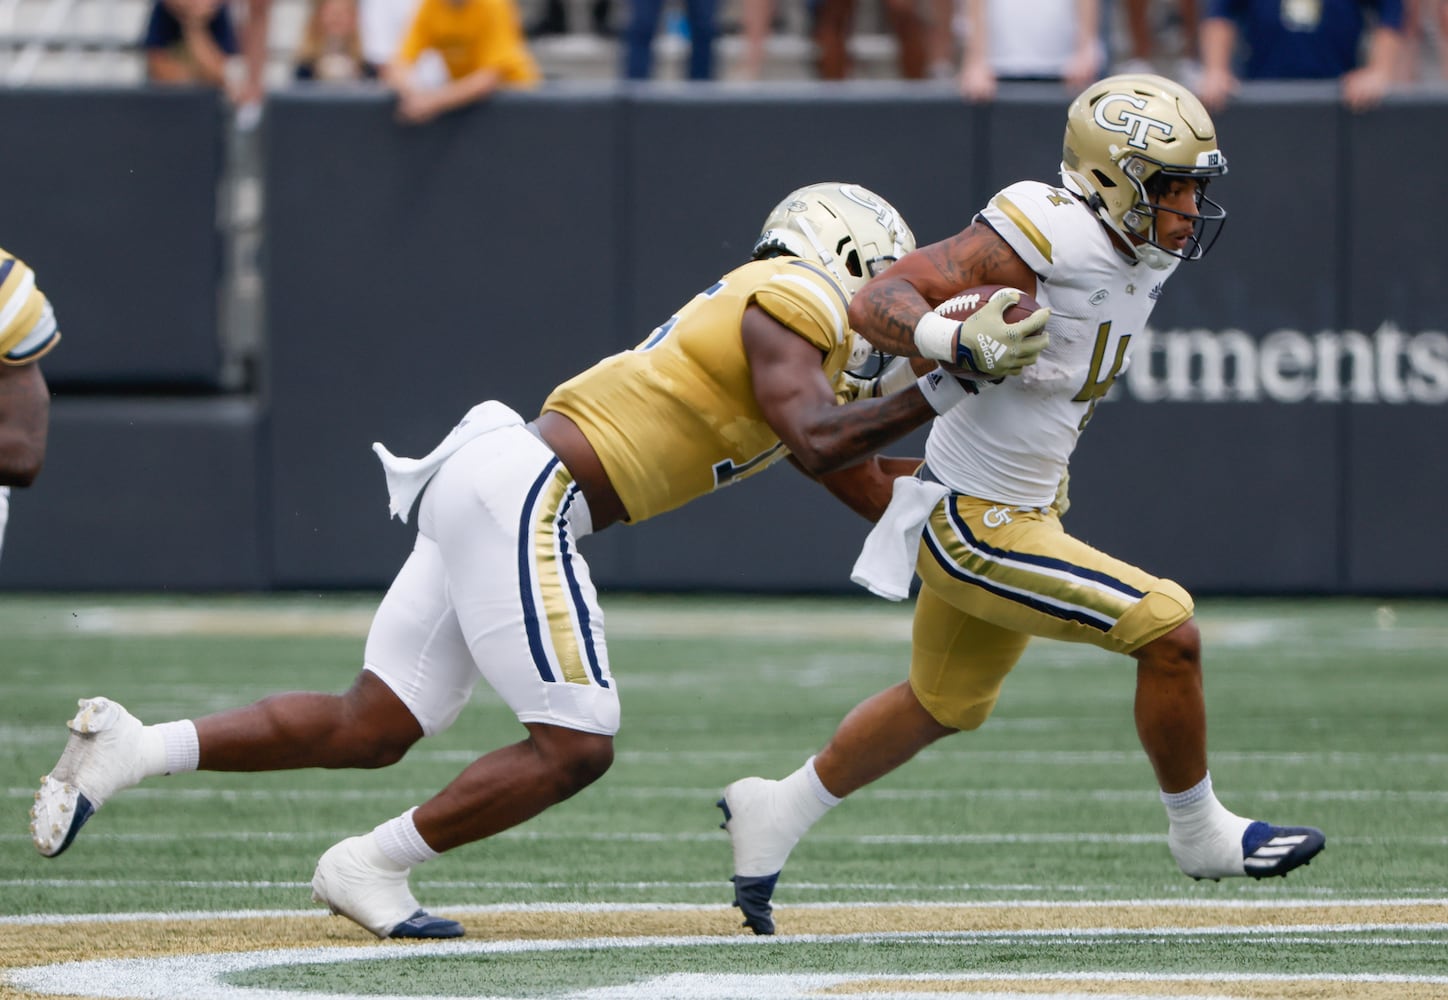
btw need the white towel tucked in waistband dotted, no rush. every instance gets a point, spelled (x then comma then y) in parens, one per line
(407, 476)
(887, 562)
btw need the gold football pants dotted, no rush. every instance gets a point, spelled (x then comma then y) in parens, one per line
(994, 576)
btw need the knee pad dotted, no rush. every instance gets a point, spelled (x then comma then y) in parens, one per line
(1163, 608)
(955, 713)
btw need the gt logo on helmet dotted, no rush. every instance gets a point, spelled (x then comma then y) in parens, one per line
(1136, 127)
(866, 199)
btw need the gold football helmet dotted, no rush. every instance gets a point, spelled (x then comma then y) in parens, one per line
(1126, 137)
(853, 232)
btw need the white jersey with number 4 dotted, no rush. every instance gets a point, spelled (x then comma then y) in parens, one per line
(1011, 443)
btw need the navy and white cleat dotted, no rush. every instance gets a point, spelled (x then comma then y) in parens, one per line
(752, 894)
(1262, 851)
(424, 925)
(354, 879)
(102, 755)
(1269, 850)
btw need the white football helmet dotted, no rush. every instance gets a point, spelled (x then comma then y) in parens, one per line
(1126, 136)
(853, 232)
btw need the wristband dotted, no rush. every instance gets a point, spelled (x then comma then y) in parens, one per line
(935, 337)
(941, 389)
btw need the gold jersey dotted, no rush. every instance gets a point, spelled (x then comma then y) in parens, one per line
(675, 417)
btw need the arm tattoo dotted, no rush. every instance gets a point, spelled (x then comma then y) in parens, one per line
(894, 308)
(975, 257)
(865, 426)
(886, 310)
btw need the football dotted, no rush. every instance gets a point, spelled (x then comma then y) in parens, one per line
(965, 304)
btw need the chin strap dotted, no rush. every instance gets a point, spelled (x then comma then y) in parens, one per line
(1154, 257)
(1146, 253)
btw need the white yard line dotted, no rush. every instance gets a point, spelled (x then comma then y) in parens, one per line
(700, 794)
(675, 837)
(1224, 905)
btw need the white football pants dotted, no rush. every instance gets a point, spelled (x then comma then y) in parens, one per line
(495, 586)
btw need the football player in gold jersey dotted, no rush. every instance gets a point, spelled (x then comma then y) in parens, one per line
(27, 332)
(749, 371)
(995, 565)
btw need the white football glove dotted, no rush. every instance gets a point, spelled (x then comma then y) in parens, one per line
(941, 389)
(894, 377)
(852, 387)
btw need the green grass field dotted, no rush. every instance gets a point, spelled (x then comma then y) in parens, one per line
(1026, 859)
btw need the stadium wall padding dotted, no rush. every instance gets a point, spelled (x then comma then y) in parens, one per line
(111, 196)
(1281, 428)
(146, 494)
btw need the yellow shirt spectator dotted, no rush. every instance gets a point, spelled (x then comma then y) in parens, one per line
(472, 35)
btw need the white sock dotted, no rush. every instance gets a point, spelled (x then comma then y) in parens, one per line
(801, 799)
(1187, 804)
(828, 798)
(399, 840)
(1205, 836)
(170, 747)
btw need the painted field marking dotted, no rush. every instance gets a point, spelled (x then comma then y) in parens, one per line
(266, 938)
(204, 975)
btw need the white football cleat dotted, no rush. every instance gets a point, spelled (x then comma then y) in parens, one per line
(760, 848)
(355, 880)
(102, 756)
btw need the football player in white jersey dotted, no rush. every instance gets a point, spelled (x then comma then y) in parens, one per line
(27, 332)
(995, 565)
(749, 371)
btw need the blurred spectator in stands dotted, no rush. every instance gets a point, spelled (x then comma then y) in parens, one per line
(1425, 31)
(1302, 40)
(1144, 36)
(700, 19)
(331, 48)
(480, 41)
(1055, 40)
(1438, 19)
(756, 18)
(27, 332)
(553, 20)
(190, 42)
(1440, 30)
(946, 26)
(383, 24)
(835, 24)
